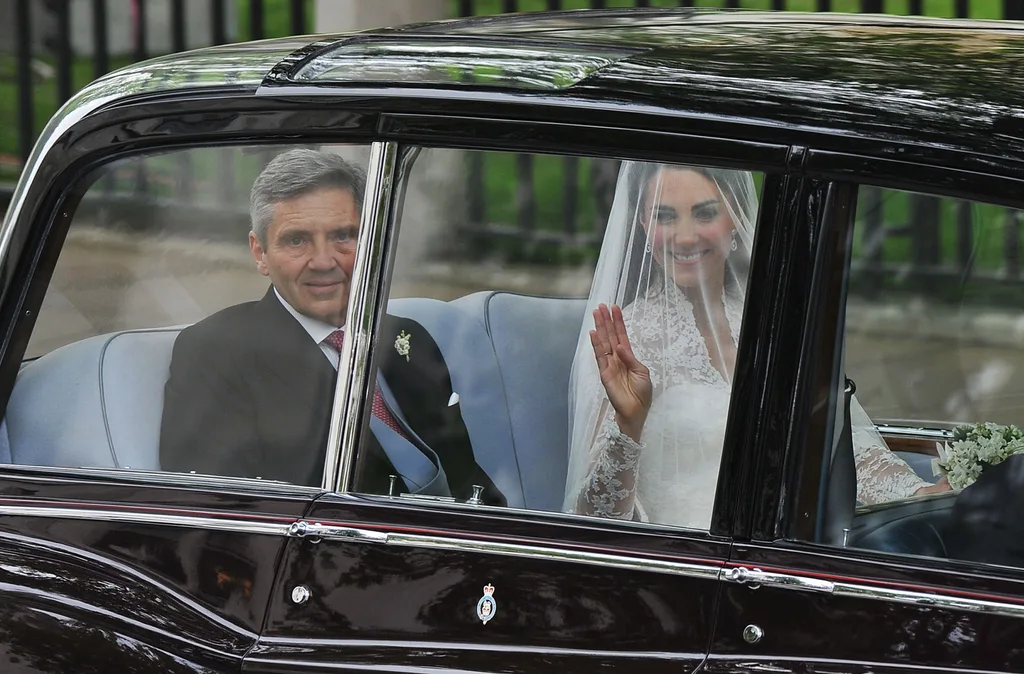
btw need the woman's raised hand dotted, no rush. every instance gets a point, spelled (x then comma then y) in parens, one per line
(626, 380)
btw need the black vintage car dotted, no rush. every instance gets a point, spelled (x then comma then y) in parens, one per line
(887, 156)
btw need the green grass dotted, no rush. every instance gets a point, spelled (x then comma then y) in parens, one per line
(987, 241)
(44, 97)
(277, 23)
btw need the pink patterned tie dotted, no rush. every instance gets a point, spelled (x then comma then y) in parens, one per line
(380, 410)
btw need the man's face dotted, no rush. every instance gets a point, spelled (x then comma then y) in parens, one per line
(310, 250)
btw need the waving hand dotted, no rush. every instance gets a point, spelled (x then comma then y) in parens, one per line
(626, 380)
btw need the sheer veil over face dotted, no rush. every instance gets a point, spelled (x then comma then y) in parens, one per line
(678, 237)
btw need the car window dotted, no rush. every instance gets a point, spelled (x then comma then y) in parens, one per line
(177, 330)
(930, 373)
(490, 386)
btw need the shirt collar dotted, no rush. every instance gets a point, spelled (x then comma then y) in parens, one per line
(318, 330)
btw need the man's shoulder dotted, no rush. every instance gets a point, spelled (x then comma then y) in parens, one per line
(223, 327)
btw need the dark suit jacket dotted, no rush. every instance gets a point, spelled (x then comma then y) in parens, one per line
(985, 524)
(250, 395)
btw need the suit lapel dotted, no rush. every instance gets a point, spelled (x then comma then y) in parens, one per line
(420, 386)
(419, 380)
(291, 355)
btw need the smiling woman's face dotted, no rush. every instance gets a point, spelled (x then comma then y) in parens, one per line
(688, 224)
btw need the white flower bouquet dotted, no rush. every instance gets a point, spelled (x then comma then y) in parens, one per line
(975, 447)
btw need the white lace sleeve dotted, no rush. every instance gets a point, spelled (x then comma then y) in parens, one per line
(881, 475)
(610, 487)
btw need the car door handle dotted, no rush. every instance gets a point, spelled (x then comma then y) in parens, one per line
(755, 578)
(314, 532)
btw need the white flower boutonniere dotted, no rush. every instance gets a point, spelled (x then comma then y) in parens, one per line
(402, 344)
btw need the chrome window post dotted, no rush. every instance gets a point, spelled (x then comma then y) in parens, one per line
(360, 320)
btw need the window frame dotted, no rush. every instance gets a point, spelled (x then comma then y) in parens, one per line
(731, 507)
(35, 237)
(134, 127)
(797, 518)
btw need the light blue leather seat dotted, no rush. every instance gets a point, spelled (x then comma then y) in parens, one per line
(5, 444)
(98, 402)
(509, 356)
(534, 339)
(93, 403)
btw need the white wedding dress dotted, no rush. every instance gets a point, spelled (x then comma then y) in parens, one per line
(671, 475)
(674, 468)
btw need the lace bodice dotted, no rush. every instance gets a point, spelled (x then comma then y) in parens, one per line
(664, 336)
(671, 476)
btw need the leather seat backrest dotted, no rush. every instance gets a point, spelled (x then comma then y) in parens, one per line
(5, 444)
(509, 357)
(460, 332)
(535, 339)
(93, 403)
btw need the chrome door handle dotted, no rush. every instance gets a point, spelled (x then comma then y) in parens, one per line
(316, 532)
(755, 578)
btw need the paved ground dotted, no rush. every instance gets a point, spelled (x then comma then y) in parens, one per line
(915, 361)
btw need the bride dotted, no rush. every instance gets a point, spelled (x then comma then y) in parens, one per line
(651, 381)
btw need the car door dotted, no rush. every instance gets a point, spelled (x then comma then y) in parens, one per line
(388, 579)
(110, 560)
(857, 569)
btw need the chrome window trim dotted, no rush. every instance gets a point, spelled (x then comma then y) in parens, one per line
(70, 114)
(915, 432)
(161, 478)
(245, 526)
(364, 300)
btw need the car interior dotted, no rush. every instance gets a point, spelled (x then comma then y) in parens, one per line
(509, 355)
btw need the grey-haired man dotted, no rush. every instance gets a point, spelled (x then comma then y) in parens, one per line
(251, 386)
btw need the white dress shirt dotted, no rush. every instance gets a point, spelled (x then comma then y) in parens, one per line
(318, 331)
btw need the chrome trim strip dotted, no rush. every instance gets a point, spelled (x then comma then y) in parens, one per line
(755, 578)
(136, 517)
(463, 646)
(317, 532)
(347, 412)
(706, 571)
(843, 589)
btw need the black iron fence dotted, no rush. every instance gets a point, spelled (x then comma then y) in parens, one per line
(59, 45)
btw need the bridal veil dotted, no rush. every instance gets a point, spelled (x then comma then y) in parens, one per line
(662, 334)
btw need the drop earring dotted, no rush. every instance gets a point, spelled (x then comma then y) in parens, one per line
(735, 246)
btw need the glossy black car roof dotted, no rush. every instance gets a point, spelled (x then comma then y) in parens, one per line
(904, 88)
(951, 83)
